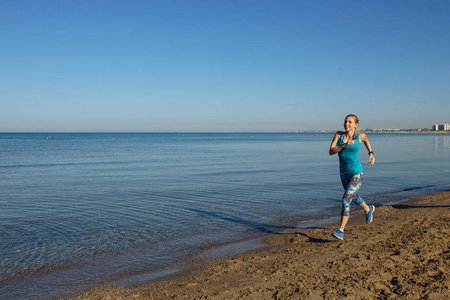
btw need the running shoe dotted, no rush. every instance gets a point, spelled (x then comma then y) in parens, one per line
(369, 215)
(339, 234)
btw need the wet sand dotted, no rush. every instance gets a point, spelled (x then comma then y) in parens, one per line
(404, 253)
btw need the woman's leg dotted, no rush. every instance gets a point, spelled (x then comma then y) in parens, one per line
(344, 220)
(351, 185)
(364, 206)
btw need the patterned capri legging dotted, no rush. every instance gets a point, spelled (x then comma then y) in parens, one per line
(351, 184)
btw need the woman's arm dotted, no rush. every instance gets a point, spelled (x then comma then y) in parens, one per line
(369, 148)
(333, 147)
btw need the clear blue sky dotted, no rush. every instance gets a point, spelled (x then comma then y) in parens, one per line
(248, 65)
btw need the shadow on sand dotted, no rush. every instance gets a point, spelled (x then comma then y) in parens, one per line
(313, 239)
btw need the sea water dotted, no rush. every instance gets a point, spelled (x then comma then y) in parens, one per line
(84, 209)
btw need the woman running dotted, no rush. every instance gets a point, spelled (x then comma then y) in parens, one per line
(347, 144)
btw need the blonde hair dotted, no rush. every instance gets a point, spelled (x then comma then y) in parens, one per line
(356, 120)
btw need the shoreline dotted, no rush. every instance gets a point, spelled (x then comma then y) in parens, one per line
(370, 131)
(406, 254)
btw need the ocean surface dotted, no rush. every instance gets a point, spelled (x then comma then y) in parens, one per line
(79, 210)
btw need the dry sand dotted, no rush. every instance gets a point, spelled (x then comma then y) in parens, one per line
(403, 254)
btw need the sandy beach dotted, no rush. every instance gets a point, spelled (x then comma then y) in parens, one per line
(403, 254)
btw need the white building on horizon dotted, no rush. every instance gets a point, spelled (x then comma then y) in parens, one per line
(437, 127)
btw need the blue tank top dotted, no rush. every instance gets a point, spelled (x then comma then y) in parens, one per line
(349, 158)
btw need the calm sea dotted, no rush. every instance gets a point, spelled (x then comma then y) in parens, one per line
(83, 209)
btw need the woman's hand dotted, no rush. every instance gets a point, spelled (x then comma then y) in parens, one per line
(333, 147)
(350, 141)
(369, 148)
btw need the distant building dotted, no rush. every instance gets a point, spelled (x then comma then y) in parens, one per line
(444, 127)
(441, 127)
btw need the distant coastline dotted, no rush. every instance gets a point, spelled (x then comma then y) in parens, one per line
(405, 131)
(383, 131)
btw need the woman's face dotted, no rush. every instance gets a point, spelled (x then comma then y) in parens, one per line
(350, 124)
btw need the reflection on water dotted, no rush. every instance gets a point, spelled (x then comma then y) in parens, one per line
(441, 145)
